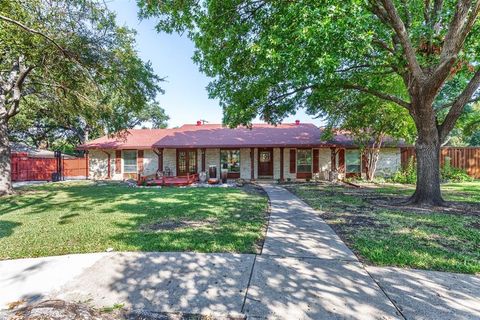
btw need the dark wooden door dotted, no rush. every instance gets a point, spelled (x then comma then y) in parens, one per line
(265, 162)
(186, 162)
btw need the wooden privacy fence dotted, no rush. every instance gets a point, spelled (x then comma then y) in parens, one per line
(25, 168)
(466, 158)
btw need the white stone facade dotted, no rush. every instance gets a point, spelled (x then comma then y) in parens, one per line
(389, 162)
(245, 164)
(98, 165)
(170, 160)
(150, 162)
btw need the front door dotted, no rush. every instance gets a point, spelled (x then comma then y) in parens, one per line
(265, 162)
(186, 161)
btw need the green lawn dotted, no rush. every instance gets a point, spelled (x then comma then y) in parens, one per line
(384, 234)
(77, 217)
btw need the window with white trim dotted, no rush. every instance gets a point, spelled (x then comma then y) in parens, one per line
(304, 160)
(352, 161)
(230, 159)
(130, 161)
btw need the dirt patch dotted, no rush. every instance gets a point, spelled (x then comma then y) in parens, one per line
(475, 225)
(451, 207)
(373, 200)
(253, 188)
(60, 310)
(177, 225)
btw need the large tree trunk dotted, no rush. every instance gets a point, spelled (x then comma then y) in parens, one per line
(5, 165)
(428, 176)
(427, 149)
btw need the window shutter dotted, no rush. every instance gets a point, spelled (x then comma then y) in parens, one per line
(140, 160)
(341, 160)
(316, 160)
(293, 160)
(118, 161)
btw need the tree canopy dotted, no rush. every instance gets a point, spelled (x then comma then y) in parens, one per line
(269, 58)
(67, 63)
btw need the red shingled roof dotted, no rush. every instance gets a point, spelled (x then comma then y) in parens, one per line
(217, 136)
(212, 135)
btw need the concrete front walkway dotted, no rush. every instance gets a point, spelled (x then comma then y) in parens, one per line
(305, 271)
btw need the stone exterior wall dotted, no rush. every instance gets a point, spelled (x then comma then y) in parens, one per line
(286, 166)
(150, 162)
(98, 165)
(170, 160)
(276, 163)
(389, 161)
(199, 161)
(255, 163)
(212, 158)
(324, 163)
(245, 164)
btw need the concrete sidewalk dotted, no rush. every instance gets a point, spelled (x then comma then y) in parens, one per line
(305, 271)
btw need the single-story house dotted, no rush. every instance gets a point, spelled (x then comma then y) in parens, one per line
(286, 151)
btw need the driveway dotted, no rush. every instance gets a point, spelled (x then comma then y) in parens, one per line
(305, 271)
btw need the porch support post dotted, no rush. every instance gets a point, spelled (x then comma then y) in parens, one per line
(252, 163)
(282, 169)
(204, 150)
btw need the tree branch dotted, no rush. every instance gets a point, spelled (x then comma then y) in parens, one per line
(398, 26)
(381, 95)
(450, 104)
(460, 26)
(458, 106)
(24, 27)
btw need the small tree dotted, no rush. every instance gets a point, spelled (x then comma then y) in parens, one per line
(372, 123)
(68, 60)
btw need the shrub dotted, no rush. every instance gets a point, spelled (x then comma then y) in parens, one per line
(407, 175)
(452, 174)
(447, 174)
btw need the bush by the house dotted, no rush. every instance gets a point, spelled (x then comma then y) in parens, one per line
(407, 175)
(448, 173)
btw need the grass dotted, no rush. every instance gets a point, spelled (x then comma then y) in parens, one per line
(387, 235)
(77, 217)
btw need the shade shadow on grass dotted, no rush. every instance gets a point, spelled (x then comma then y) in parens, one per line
(81, 217)
(392, 236)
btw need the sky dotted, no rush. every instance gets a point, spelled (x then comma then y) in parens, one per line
(186, 97)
